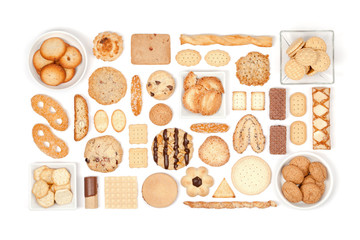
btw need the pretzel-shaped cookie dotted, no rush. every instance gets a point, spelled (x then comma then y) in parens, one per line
(220, 205)
(48, 143)
(51, 111)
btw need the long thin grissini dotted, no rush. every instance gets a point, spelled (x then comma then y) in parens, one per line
(221, 205)
(226, 40)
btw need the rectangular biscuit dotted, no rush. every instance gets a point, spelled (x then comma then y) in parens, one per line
(150, 49)
(239, 100)
(258, 101)
(138, 134)
(278, 139)
(138, 157)
(121, 192)
(277, 103)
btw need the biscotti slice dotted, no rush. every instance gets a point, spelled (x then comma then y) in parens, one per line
(81, 122)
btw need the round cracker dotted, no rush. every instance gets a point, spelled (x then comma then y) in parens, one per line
(47, 201)
(61, 176)
(63, 196)
(46, 175)
(306, 56)
(251, 175)
(40, 189)
(38, 171)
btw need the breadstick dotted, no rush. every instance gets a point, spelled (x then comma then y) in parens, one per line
(226, 40)
(220, 205)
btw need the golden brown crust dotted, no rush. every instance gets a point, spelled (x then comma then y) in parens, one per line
(39, 62)
(191, 97)
(311, 193)
(253, 69)
(301, 162)
(318, 171)
(211, 83)
(53, 48)
(220, 205)
(291, 192)
(52, 74)
(136, 95)
(108, 46)
(293, 174)
(209, 102)
(190, 80)
(71, 59)
(70, 73)
(209, 127)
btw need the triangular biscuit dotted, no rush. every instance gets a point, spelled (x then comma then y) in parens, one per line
(224, 191)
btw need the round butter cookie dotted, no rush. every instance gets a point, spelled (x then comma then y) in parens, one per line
(39, 62)
(53, 49)
(159, 190)
(160, 114)
(71, 59)
(108, 46)
(52, 74)
(107, 85)
(306, 56)
(251, 175)
(294, 70)
(214, 151)
(316, 43)
(160, 85)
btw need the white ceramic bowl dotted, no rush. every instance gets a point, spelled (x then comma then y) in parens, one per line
(68, 38)
(71, 167)
(328, 182)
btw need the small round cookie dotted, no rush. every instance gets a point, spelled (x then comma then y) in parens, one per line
(301, 162)
(188, 57)
(316, 43)
(306, 56)
(160, 85)
(322, 63)
(52, 74)
(294, 47)
(108, 46)
(39, 62)
(160, 114)
(291, 192)
(191, 97)
(71, 59)
(294, 70)
(159, 190)
(53, 49)
(318, 171)
(47, 201)
(293, 174)
(107, 85)
(70, 73)
(209, 102)
(311, 193)
(103, 154)
(197, 181)
(214, 151)
(40, 189)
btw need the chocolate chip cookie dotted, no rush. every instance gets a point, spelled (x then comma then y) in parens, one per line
(161, 85)
(103, 154)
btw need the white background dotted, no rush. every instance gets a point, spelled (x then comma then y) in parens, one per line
(22, 22)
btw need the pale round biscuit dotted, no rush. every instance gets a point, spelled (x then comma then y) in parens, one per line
(210, 102)
(39, 62)
(188, 57)
(323, 62)
(160, 114)
(101, 121)
(217, 58)
(47, 201)
(306, 56)
(37, 172)
(40, 189)
(295, 46)
(316, 43)
(63, 196)
(53, 49)
(294, 70)
(251, 175)
(61, 176)
(160, 85)
(298, 133)
(298, 104)
(108, 46)
(71, 59)
(70, 73)
(214, 151)
(52, 74)
(118, 120)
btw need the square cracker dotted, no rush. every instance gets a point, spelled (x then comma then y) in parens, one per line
(121, 192)
(138, 134)
(138, 157)
(258, 101)
(150, 49)
(239, 100)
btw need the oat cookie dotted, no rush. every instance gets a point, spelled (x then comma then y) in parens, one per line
(71, 59)
(316, 43)
(53, 48)
(294, 70)
(160, 85)
(318, 171)
(301, 162)
(160, 114)
(108, 46)
(107, 85)
(311, 193)
(197, 181)
(217, 58)
(292, 173)
(214, 151)
(52, 74)
(188, 57)
(103, 154)
(291, 192)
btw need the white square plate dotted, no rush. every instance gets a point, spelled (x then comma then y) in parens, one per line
(71, 167)
(184, 113)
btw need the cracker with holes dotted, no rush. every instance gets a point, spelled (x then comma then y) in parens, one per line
(258, 101)
(298, 104)
(48, 143)
(298, 132)
(188, 57)
(138, 134)
(121, 192)
(217, 58)
(239, 100)
(51, 111)
(138, 157)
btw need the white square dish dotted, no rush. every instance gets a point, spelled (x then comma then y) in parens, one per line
(221, 113)
(71, 167)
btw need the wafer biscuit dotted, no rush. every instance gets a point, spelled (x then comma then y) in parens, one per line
(277, 103)
(277, 140)
(101, 121)
(138, 157)
(188, 57)
(239, 100)
(298, 132)
(217, 58)
(298, 104)
(209, 127)
(258, 101)
(138, 134)
(121, 192)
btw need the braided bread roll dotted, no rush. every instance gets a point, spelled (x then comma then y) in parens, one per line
(226, 40)
(219, 205)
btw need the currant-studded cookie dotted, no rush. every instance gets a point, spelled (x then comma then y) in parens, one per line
(103, 154)
(172, 148)
(161, 85)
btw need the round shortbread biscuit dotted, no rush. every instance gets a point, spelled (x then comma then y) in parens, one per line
(298, 132)
(298, 104)
(160, 85)
(52, 74)
(38, 171)
(101, 121)
(316, 43)
(71, 59)
(108, 46)
(295, 46)
(214, 151)
(53, 49)
(306, 56)
(188, 57)
(61, 176)
(39, 62)
(217, 58)
(47, 201)
(160, 114)
(323, 62)
(70, 73)
(251, 175)
(40, 189)
(63, 196)
(118, 120)
(294, 70)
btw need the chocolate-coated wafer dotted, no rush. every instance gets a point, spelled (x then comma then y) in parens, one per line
(278, 139)
(277, 103)
(90, 191)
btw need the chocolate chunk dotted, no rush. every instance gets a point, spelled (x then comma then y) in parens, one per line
(87, 160)
(170, 87)
(149, 84)
(157, 82)
(152, 94)
(196, 181)
(90, 186)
